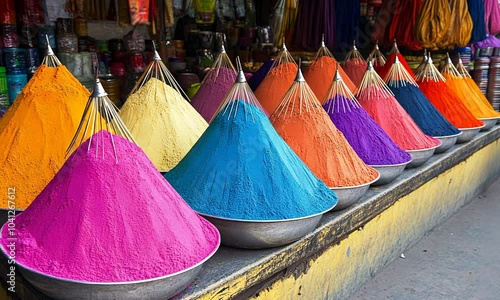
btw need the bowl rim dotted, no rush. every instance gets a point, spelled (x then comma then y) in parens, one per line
(472, 128)
(359, 185)
(200, 263)
(426, 149)
(393, 165)
(448, 136)
(487, 119)
(268, 221)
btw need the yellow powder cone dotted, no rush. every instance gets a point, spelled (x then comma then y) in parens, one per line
(163, 123)
(37, 130)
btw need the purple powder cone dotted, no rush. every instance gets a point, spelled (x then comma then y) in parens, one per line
(366, 137)
(212, 91)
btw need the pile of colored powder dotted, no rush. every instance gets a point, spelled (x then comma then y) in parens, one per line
(469, 97)
(449, 104)
(384, 70)
(275, 85)
(475, 88)
(322, 147)
(365, 136)
(162, 122)
(102, 221)
(394, 120)
(36, 131)
(212, 91)
(421, 110)
(261, 73)
(355, 68)
(241, 169)
(320, 74)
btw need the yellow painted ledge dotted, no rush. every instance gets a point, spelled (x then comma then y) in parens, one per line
(336, 272)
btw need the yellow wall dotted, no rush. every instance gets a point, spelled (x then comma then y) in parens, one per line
(339, 270)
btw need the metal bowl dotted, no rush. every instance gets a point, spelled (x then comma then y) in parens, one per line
(489, 123)
(348, 195)
(468, 134)
(388, 172)
(155, 288)
(420, 156)
(447, 142)
(261, 234)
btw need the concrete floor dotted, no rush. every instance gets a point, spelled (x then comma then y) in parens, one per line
(457, 260)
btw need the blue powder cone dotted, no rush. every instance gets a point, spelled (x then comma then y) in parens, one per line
(240, 168)
(261, 73)
(425, 115)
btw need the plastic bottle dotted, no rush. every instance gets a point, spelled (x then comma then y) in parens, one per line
(4, 90)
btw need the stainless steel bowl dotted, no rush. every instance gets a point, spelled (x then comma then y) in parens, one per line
(389, 172)
(489, 123)
(468, 134)
(348, 195)
(261, 234)
(447, 142)
(155, 288)
(420, 156)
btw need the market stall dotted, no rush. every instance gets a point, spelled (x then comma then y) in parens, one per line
(207, 149)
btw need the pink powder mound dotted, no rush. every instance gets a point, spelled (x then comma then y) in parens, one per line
(101, 221)
(394, 119)
(212, 91)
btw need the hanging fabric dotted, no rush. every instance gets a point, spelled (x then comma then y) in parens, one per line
(402, 28)
(476, 11)
(492, 16)
(348, 14)
(433, 22)
(460, 29)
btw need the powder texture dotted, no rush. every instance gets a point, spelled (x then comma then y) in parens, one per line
(241, 169)
(421, 110)
(448, 104)
(320, 75)
(322, 147)
(395, 121)
(355, 68)
(261, 73)
(162, 122)
(475, 88)
(365, 136)
(36, 131)
(275, 85)
(212, 91)
(102, 221)
(470, 98)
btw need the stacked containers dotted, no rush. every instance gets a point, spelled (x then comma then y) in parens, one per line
(13, 57)
(480, 73)
(493, 93)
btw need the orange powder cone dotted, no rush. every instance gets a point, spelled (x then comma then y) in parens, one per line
(36, 131)
(378, 100)
(472, 96)
(320, 74)
(303, 123)
(278, 81)
(469, 98)
(433, 85)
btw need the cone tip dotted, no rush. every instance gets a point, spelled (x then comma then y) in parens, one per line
(370, 65)
(99, 90)
(337, 74)
(156, 56)
(240, 78)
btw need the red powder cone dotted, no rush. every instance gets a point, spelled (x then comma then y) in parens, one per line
(354, 65)
(320, 74)
(278, 81)
(303, 123)
(384, 70)
(433, 85)
(378, 100)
